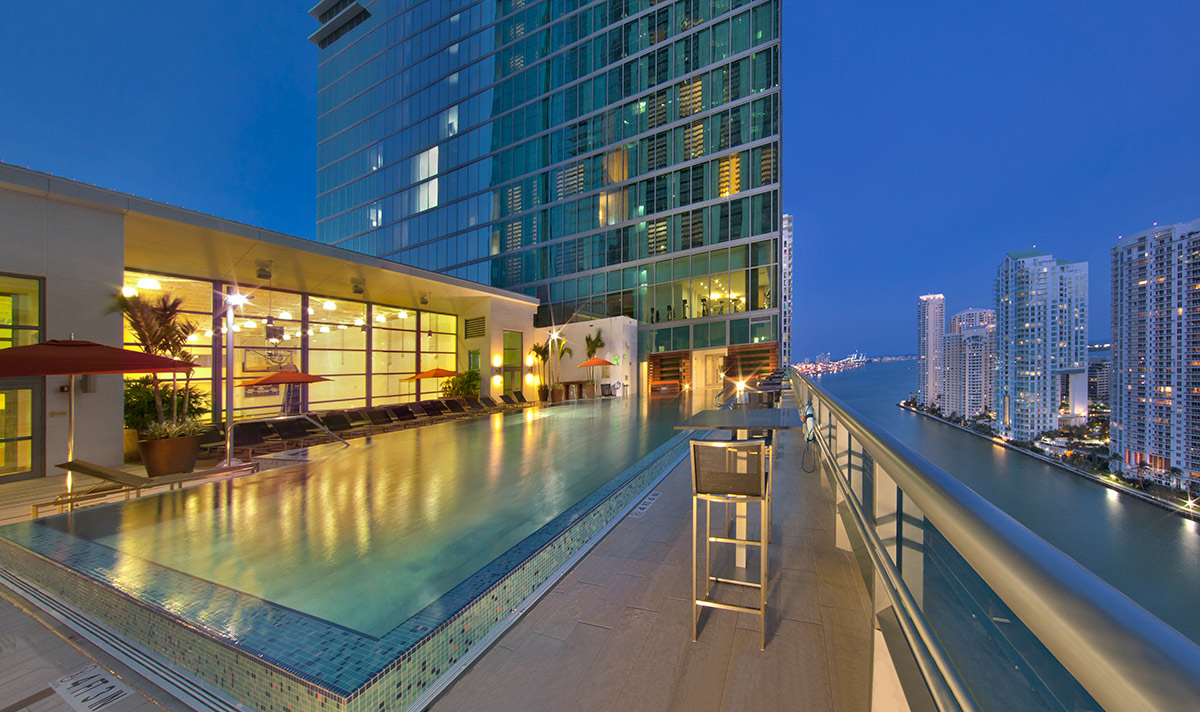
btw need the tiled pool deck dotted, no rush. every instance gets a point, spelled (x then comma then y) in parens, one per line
(614, 632)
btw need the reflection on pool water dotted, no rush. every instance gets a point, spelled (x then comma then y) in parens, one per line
(367, 538)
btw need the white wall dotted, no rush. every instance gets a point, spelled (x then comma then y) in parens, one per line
(620, 347)
(502, 315)
(80, 251)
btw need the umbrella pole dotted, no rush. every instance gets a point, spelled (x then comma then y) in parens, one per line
(70, 433)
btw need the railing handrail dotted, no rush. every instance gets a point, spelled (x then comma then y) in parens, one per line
(1123, 655)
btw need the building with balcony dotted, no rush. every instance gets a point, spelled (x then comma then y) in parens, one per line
(785, 273)
(606, 159)
(1041, 335)
(1099, 375)
(1155, 420)
(931, 332)
(970, 361)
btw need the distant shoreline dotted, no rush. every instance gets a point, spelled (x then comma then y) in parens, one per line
(1116, 486)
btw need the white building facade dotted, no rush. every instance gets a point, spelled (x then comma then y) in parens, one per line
(931, 332)
(970, 360)
(1041, 335)
(1155, 386)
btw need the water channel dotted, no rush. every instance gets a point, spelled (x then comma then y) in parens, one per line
(1150, 554)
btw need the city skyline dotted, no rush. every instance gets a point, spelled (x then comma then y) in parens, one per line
(969, 159)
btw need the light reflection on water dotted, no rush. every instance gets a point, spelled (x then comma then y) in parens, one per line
(1151, 555)
(369, 537)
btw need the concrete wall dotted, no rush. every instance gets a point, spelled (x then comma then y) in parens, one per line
(502, 315)
(80, 251)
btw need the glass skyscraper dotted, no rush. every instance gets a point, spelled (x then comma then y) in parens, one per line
(611, 158)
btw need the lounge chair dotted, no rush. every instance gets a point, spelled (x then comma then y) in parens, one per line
(474, 404)
(294, 433)
(489, 402)
(508, 400)
(520, 397)
(454, 407)
(338, 423)
(380, 419)
(403, 414)
(606, 390)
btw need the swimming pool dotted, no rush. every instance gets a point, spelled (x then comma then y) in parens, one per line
(339, 572)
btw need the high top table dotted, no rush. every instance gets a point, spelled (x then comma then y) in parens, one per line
(744, 419)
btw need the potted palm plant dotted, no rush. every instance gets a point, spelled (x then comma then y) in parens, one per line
(559, 348)
(592, 344)
(542, 353)
(170, 440)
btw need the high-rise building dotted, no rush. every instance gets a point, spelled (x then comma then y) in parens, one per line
(616, 158)
(1041, 334)
(1099, 375)
(970, 318)
(1155, 422)
(931, 331)
(785, 306)
(968, 376)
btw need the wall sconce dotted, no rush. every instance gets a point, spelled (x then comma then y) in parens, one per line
(497, 361)
(358, 286)
(263, 273)
(529, 360)
(497, 381)
(529, 378)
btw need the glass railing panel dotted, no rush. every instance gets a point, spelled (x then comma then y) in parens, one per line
(998, 657)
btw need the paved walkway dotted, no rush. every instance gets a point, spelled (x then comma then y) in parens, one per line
(613, 634)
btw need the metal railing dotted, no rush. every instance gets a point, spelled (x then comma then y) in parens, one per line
(1120, 653)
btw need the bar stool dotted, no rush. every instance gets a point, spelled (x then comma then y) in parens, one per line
(730, 473)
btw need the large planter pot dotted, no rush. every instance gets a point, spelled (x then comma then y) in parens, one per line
(589, 390)
(543, 393)
(170, 455)
(131, 445)
(558, 395)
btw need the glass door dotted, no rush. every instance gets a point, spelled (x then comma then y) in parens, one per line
(513, 359)
(21, 428)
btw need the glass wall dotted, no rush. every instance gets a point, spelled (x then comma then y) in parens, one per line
(368, 351)
(20, 399)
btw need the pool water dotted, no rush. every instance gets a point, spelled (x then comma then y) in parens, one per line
(372, 535)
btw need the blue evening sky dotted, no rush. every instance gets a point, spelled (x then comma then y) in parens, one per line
(922, 140)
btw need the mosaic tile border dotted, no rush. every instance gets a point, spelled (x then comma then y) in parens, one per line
(223, 638)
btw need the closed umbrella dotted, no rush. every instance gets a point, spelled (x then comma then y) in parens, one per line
(59, 357)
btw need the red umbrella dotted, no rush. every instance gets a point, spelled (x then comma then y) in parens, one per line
(597, 361)
(283, 378)
(59, 357)
(434, 373)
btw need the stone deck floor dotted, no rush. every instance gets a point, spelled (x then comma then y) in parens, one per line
(613, 634)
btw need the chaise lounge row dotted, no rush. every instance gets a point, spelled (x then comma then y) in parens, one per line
(256, 437)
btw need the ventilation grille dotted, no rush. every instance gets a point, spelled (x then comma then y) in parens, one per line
(475, 328)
